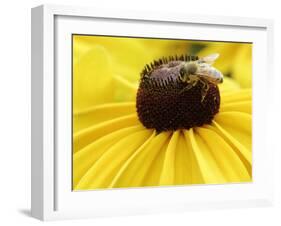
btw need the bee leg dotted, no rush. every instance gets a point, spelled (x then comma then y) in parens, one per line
(188, 87)
(205, 90)
(195, 82)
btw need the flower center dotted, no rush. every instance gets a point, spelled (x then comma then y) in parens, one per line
(166, 101)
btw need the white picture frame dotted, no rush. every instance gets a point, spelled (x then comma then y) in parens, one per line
(52, 197)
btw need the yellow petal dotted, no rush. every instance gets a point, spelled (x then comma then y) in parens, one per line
(101, 174)
(231, 166)
(92, 79)
(124, 89)
(122, 51)
(236, 96)
(79, 49)
(241, 106)
(191, 162)
(244, 154)
(86, 157)
(86, 136)
(183, 162)
(136, 168)
(236, 129)
(154, 171)
(238, 124)
(242, 66)
(228, 85)
(101, 113)
(209, 168)
(168, 170)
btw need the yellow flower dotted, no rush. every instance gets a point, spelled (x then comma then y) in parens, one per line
(112, 148)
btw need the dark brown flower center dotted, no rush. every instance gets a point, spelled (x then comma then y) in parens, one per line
(165, 102)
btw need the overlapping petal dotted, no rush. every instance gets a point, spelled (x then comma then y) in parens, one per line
(125, 154)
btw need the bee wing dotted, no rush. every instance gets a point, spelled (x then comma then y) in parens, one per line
(210, 59)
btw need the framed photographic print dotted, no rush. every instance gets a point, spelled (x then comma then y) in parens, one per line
(137, 113)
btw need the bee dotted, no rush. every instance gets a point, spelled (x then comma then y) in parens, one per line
(201, 70)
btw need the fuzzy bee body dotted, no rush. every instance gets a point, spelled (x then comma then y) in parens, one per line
(185, 69)
(202, 68)
(201, 71)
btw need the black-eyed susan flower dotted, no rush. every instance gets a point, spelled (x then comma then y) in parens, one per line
(149, 133)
